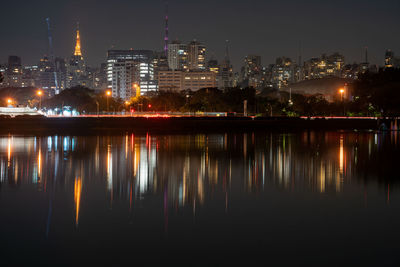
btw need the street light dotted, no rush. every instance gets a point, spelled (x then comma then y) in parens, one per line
(40, 93)
(137, 88)
(341, 91)
(127, 104)
(108, 94)
(9, 101)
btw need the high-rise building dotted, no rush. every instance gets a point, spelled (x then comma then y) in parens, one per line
(160, 62)
(251, 71)
(125, 75)
(61, 72)
(30, 75)
(266, 76)
(252, 66)
(44, 77)
(324, 66)
(390, 60)
(225, 77)
(350, 71)
(100, 78)
(14, 62)
(196, 56)
(389, 57)
(335, 64)
(212, 65)
(14, 72)
(177, 56)
(3, 70)
(283, 72)
(142, 59)
(364, 66)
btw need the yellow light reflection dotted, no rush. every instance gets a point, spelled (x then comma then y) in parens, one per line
(322, 178)
(77, 197)
(9, 152)
(126, 146)
(341, 156)
(39, 164)
(200, 188)
(136, 159)
(339, 177)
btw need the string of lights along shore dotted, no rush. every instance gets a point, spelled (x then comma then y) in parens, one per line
(185, 65)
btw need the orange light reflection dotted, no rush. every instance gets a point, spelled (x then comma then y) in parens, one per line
(77, 197)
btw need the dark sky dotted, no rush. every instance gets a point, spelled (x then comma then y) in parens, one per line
(264, 27)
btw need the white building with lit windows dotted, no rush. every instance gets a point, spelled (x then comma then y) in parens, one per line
(125, 75)
(127, 67)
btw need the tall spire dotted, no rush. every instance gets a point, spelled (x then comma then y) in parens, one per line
(227, 51)
(166, 31)
(78, 51)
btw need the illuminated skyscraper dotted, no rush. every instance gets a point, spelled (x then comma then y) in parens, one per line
(389, 58)
(225, 72)
(283, 72)
(14, 72)
(177, 56)
(212, 65)
(324, 66)
(251, 71)
(125, 76)
(45, 73)
(252, 65)
(144, 70)
(196, 56)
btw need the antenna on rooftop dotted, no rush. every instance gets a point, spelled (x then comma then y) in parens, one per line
(166, 37)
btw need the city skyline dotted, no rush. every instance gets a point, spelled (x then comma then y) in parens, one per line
(200, 133)
(99, 35)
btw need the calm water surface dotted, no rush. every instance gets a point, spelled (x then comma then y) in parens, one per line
(320, 198)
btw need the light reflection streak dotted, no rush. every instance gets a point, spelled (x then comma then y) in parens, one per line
(322, 178)
(109, 169)
(191, 169)
(341, 156)
(49, 143)
(341, 165)
(39, 163)
(126, 146)
(9, 152)
(77, 197)
(16, 173)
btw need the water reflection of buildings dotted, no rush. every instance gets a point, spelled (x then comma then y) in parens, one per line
(186, 170)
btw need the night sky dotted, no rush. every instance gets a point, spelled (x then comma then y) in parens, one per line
(263, 27)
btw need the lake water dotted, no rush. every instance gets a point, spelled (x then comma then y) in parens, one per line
(316, 198)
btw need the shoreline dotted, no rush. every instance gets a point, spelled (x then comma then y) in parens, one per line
(37, 125)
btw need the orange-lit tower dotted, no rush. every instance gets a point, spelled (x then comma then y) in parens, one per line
(76, 67)
(78, 51)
